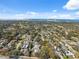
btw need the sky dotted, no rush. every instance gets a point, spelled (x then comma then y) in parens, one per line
(39, 9)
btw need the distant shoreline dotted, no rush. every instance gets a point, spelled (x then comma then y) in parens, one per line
(42, 20)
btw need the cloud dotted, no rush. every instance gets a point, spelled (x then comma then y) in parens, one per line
(26, 15)
(63, 16)
(54, 10)
(7, 13)
(72, 5)
(38, 15)
(66, 16)
(77, 13)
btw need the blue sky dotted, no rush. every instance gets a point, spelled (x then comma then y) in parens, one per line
(25, 9)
